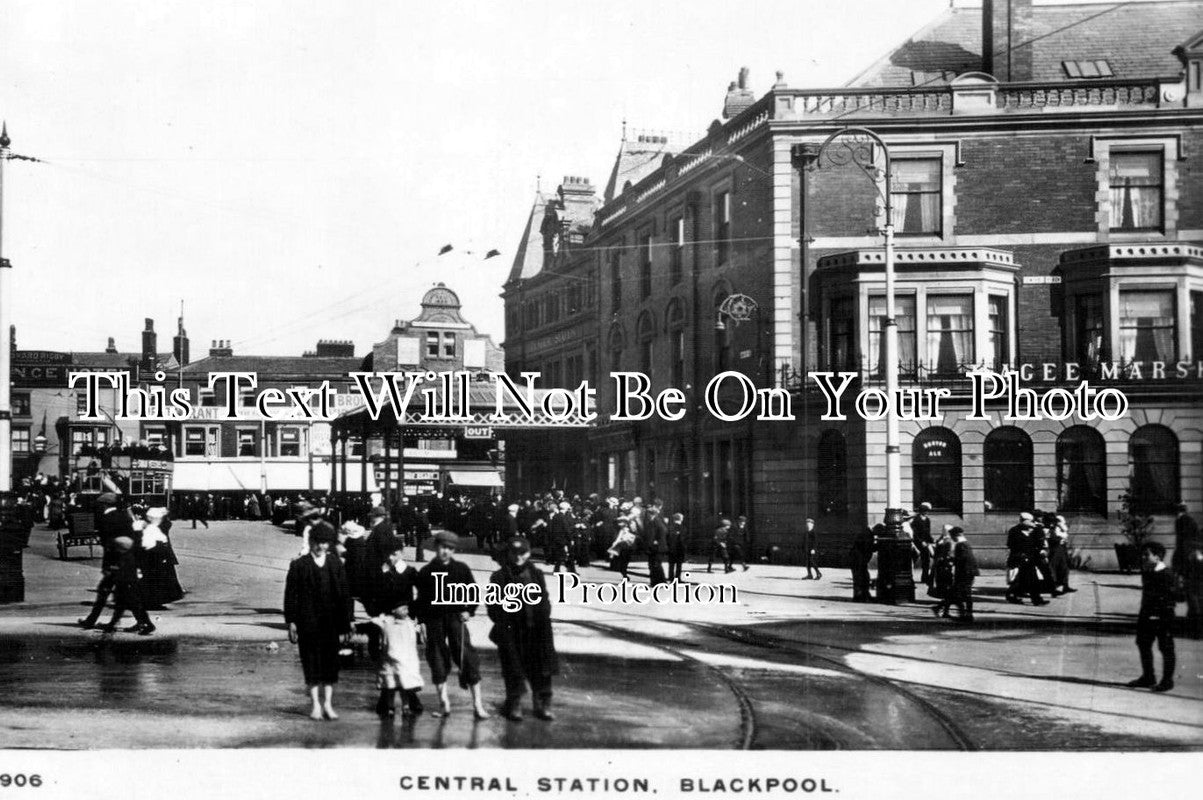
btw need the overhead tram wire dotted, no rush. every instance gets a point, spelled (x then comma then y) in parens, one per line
(317, 318)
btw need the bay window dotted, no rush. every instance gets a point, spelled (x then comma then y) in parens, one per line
(904, 316)
(949, 332)
(1146, 326)
(842, 322)
(1088, 319)
(999, 340)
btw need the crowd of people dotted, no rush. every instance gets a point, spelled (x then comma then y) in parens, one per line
(353, 552)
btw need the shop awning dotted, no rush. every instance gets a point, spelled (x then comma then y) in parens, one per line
(233, 475)
(461, 478)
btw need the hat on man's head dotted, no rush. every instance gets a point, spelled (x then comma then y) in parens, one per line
(925, 506)
(447, 539)
(378, 511)
(956, 530)
(123, 544)
(106, 499)
(513, 507)
(1026, 517)
(517, 544)
(565, 506)
(322, 532)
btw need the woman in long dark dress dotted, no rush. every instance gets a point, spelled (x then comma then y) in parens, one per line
(318, 609)
(159, 584)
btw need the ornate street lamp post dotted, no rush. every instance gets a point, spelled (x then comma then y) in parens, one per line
(865, 150)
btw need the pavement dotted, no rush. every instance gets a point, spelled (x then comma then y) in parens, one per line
(793, 664)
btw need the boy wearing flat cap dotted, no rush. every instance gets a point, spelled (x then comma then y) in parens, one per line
(525, 645)
(447, 640)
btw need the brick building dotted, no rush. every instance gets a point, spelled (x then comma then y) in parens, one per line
(1046, 214)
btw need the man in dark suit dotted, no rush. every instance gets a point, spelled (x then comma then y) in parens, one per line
(922, 540)
(1187, 564)
(965, 572)
(810, 546)
(405, 520)
(111, 523)
(560, 538)
(382, 540)
(656, 531)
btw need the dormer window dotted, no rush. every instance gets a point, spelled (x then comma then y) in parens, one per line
(1087, 69)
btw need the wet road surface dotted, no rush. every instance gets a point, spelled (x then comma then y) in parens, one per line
(765, 674)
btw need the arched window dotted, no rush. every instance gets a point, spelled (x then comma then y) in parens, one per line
(615, 343)
(1007, 456)
(1153, 464)
(674, 317)
(832, 468)
(936, 469)
(1081, 470)
(646, 332)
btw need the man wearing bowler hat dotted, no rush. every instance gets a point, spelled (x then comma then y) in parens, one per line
(447, 640)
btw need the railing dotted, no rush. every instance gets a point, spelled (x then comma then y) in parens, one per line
(888, 101)
(1112, 93)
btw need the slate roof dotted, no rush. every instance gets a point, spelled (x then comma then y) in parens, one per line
(103, 360)
(636, 160)
(528, 258)
(1136, 39)
(577, 211)
(277, 367)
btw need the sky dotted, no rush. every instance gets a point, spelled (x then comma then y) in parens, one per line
(290, 170)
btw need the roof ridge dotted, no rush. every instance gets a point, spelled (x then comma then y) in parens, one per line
(884, 59)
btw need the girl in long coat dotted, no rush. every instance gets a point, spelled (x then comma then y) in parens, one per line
(523, 637)
(318, 609)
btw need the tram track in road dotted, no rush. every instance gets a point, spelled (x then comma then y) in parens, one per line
(747, 712)
(958, 738)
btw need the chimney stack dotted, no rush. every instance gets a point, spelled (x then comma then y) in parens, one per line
(1007, 29)
(112, 348)
(150, 349)
(179, 343)
(221, 349)
(739, 96)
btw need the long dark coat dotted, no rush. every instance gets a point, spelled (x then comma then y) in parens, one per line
(524, 637)
(656, 532)
(160, 585)
(318, 601)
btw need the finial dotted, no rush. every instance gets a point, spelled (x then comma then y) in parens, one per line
(4, 140)
(624, 129)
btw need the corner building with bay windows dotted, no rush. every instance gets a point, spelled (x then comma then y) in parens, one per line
(1048, 220)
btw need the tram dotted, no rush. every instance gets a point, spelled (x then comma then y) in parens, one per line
(141, 475)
